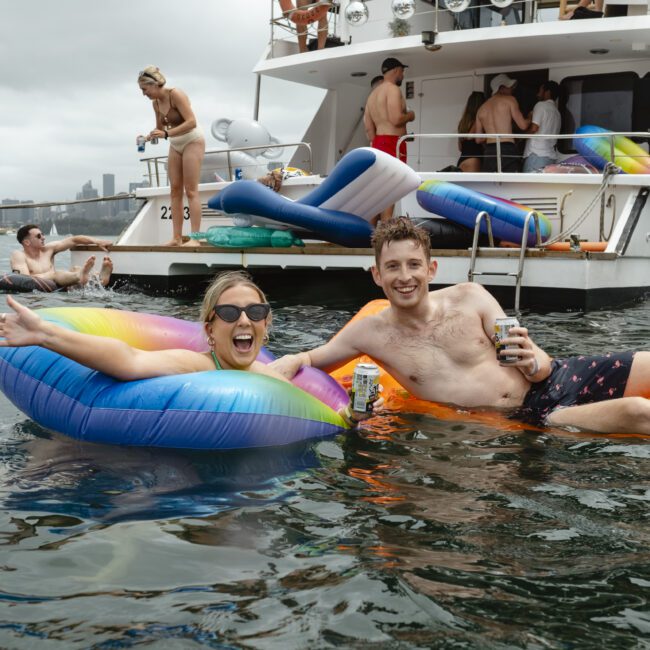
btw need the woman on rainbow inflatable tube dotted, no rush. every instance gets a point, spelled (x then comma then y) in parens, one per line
(439, 346)
(235, 316)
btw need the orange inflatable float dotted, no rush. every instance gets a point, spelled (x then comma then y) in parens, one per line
(315, 12)
(397, 398)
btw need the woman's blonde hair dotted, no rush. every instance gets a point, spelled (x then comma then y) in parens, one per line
(223, 282)
(151, 75)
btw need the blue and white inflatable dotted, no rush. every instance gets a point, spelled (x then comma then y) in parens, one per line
(363, 183)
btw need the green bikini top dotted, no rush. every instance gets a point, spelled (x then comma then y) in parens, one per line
(216, 361)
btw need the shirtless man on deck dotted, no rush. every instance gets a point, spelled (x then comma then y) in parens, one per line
(439, 345)
(386, 116)
(496, 116)
(36, 259)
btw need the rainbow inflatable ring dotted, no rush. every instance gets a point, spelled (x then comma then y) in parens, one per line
(462, 205)
(628, 155)
(226, 409)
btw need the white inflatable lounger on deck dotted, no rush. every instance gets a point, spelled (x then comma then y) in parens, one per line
(362, 184)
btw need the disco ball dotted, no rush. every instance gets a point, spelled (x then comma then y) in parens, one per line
(403, 9)
(356, 13)
(456, 6)
(501, 4)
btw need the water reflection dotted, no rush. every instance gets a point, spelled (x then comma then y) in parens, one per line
(53, 473)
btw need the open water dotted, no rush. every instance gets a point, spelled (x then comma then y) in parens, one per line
(415, 532)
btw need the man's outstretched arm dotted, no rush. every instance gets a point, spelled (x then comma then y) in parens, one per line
(78, 240)
(339, 350)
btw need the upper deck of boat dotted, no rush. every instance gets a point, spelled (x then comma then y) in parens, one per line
(480, 50)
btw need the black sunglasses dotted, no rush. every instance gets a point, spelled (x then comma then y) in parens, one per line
(142, 73)
(40, 235)
(231, 313)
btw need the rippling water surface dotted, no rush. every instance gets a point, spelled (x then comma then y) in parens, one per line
(414, 532)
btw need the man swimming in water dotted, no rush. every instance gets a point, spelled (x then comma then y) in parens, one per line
(36, 259)
(439, 345)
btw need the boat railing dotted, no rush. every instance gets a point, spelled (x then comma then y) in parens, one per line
(499, 138)
(154, 163)
(442, 16)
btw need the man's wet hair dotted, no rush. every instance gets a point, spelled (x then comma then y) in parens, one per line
(23, 232)
(400, 229)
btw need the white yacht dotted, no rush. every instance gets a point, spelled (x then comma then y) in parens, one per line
(603, 68)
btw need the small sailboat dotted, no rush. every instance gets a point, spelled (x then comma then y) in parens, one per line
(53, 230)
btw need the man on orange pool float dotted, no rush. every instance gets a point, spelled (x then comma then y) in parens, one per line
(439, 345)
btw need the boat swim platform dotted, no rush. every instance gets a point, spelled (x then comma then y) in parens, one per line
(320, 271)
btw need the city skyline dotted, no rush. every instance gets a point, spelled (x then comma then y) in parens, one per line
(70, 99)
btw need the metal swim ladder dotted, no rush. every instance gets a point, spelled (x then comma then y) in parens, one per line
(522, 251)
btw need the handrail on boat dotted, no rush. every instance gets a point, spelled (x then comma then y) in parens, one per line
(498, 137)
(518, 275)
(155, 160)
(464, 15)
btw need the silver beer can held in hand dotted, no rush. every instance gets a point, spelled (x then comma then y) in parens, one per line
(141, 142)
(153, 140)
(365, 387)
(501, 331)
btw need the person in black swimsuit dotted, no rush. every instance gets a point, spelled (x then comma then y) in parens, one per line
(471, 152)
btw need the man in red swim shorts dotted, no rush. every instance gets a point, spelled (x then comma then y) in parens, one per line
(386, 116)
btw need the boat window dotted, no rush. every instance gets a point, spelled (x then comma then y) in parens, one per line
(605, 100)
(641, 112)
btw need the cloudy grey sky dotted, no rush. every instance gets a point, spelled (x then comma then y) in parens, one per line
(70, 108)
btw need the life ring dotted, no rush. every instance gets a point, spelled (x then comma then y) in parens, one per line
(226, 409)
(628, 155)
(21, 283)
(398, 399)
(304, 16)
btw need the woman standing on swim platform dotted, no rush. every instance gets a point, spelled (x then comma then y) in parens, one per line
(175, 121)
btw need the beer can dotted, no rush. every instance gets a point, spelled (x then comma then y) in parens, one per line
(501, 329)
(141, 142)
(154, 140)
(238, 174)
(365, 387)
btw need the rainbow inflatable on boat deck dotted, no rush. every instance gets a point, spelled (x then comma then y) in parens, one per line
(225, 409)
(462, 205)
(628, 155)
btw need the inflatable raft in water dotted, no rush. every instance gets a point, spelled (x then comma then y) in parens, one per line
(20, 283)
(225, 409)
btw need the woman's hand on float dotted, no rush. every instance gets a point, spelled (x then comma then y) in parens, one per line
(23, 327)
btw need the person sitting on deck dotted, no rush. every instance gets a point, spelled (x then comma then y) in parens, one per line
(440, 346)
(36, 259)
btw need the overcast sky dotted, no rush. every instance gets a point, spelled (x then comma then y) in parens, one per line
(70, 107)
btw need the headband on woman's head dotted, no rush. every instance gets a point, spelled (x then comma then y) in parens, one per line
(152, 74)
